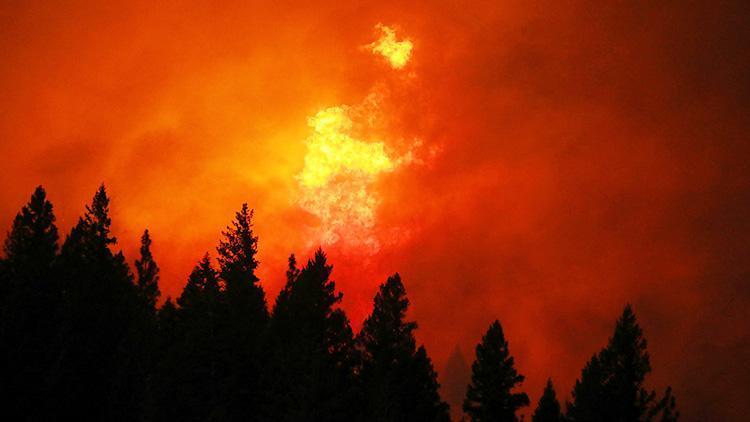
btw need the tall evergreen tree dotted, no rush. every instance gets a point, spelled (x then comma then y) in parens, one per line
(588, 394)
(247, 313)
(100, 369)
(548, 409)
(147, 284)
(398, 379)
(197, 359)
(310, 375)
(147, 273)
(611, 384)
(237, 266)
(628, 362)
(29, 302)
(490, 396)
(31, 245)
(453, 381)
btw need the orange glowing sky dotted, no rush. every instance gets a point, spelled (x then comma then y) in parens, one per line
(538, 163)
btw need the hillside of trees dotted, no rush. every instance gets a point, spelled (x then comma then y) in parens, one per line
(82, 338)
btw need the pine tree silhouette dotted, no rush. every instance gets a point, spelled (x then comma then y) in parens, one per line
(247, 314)
(611, 384)
(147, 273)
(548, 409)
(31, 245)
(29, 299)
(588, 394)
(199, 355)
(310, 373)
(100, 369)
(147, 284)
(490, 396)
(399, 381)
(80, 337)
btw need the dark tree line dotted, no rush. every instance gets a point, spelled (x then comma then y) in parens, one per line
(81, 337)
(610, 388)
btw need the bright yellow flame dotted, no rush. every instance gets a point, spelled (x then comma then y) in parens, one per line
(338, 172)
(332, 151)
(397, 52)
(335, 183)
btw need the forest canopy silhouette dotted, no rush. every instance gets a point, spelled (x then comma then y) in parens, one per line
(82, 336)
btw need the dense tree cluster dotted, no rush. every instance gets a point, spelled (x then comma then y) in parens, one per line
(81, 337)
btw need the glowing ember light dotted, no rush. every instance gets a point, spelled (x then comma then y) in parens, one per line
(341, 165)
(396, 52)
(338, 172)
(332, 151)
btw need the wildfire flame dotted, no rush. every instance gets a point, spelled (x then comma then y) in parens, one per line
(338, 172)
(341, 164)
(332, 151)
(396, 52)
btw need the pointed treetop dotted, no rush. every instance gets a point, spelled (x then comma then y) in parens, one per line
(309, 292)
(454, 378)
(317, 271)
(292, 271)
(398, 376)
(611, 383)
(386, 325)
(238, 248)
(319, 260)
(205, 275)
(393, 293)
(548, 409)
(168, 305)
(148, 273)
(97, 216)
(628, 342)
(146, 245)
(490, 395)
(33, 236)
(203, 282)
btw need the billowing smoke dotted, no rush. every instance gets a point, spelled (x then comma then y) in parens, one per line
(592, 153)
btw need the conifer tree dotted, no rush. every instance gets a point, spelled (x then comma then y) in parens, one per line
(399, 381)
(548, 409)
(246, 313)
(237, 266)
(199, 359)
(453, 381)
(100, 369)
(280, 307)
(147, 273)
(29, 299)
(627, 361)
(31, 245)
(310, 375)
(490, 395)
(611, 384)
(588, 393)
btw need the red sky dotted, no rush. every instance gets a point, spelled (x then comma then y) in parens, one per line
(575, 156)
